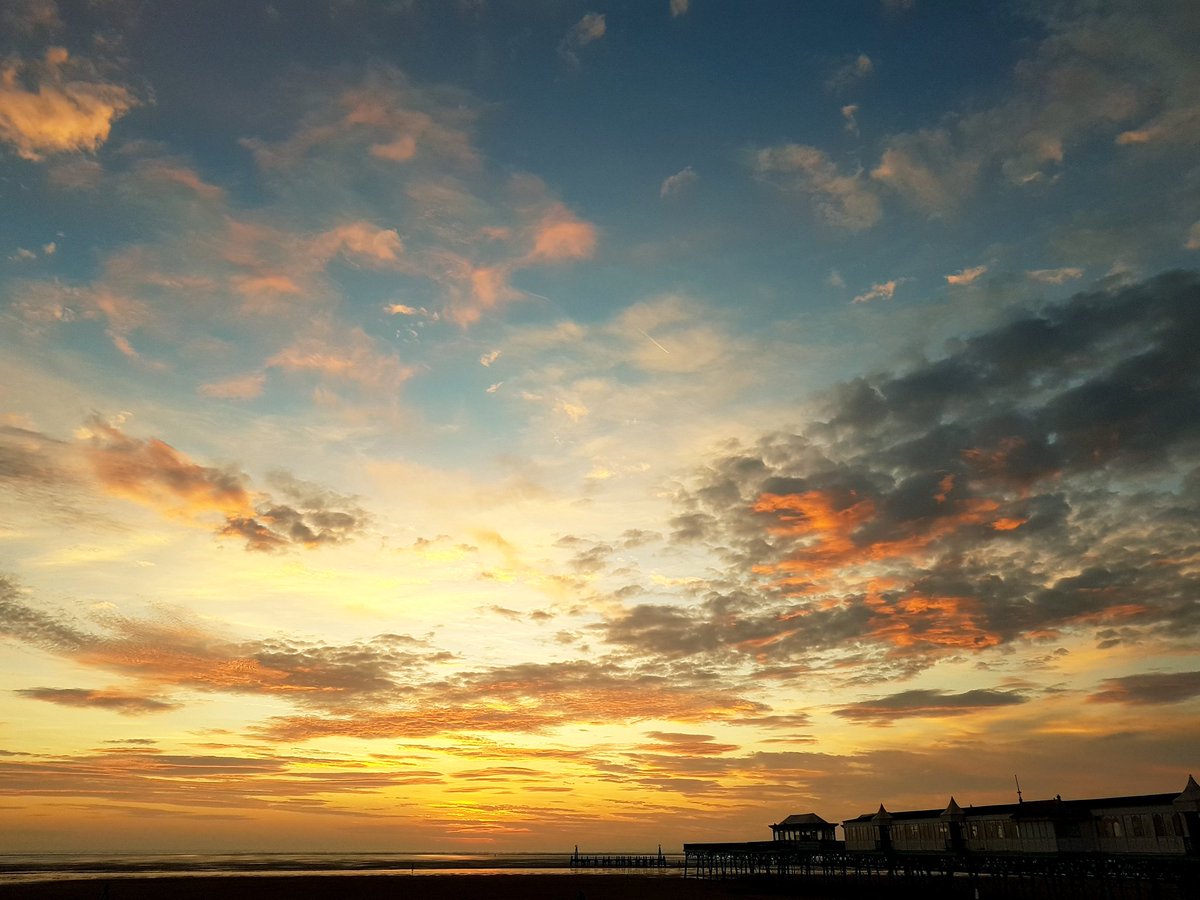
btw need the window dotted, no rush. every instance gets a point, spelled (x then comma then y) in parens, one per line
(1137, 826)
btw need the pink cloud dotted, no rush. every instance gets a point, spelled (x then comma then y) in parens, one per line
(561, 236)
(245, 387)
(883, 291)
(966, 276)
(361, 241)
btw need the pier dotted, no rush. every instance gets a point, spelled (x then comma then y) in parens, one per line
(619, 860)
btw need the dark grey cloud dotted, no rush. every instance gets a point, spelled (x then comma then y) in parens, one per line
(1149, 688)
(1041, 477)
(21, 622)
(117, 701)
(906, 704)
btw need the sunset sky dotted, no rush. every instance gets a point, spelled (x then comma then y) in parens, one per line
(512, 424)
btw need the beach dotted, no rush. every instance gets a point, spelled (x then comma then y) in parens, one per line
(515, 886)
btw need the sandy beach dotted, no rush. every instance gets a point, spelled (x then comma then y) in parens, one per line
(394, 887)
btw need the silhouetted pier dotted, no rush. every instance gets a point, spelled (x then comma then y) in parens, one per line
(833, 872)
(619, 860)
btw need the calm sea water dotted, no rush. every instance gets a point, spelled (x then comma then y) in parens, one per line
(69, 866)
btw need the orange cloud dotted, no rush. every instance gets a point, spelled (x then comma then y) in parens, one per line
(1006, 524)
(155, 474)
(264, 285)
(361, 241)
(562, 236)
(181, 175)
(246, 387)
(349, 357)
(62, 113)
(966, 276)
(825, 524)
(917, 621)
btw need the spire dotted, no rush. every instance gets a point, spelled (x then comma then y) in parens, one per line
(1189, 800)
(882, 816)
(953, 810)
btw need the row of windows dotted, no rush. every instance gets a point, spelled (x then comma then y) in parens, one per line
(1134, 825)
(1141, 826)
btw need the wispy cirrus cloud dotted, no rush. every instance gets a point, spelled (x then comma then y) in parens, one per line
(171, 652)
(592, 27)
(678, 183)
(845, 201)
(1063, 94)
(1055, 276)
(883, 290)
(850, 73)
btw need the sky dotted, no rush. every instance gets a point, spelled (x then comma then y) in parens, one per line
(488, 425)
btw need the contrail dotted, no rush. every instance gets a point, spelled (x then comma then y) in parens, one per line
(656, 343)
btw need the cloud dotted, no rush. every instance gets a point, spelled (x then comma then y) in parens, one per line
(849, 113)
(845, 201)
(1055, 276)
(561, 236)
(1064, 95)
(383, 116)
(360, 242)
(679, 182)
(885, 290)
(20, 621)
(530, 698)
(30, 16)
(57, 105)
(174, 652)
(679, 8)
(851, 73)
(156, 475)
(347, 357)
(1193, 237)
(168, 172)
(928, 171)
(685, 744)
(923, 702)
(1031, 482)
(117, 701)
(488, 358)
(588, 29)
(240, 387)
(1149, 688)
(966, 276)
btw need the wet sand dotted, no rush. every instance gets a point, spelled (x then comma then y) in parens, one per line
(397, 887)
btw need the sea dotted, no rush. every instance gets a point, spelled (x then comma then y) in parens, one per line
(17, 867)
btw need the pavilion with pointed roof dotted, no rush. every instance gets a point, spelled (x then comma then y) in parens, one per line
(804, 827)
